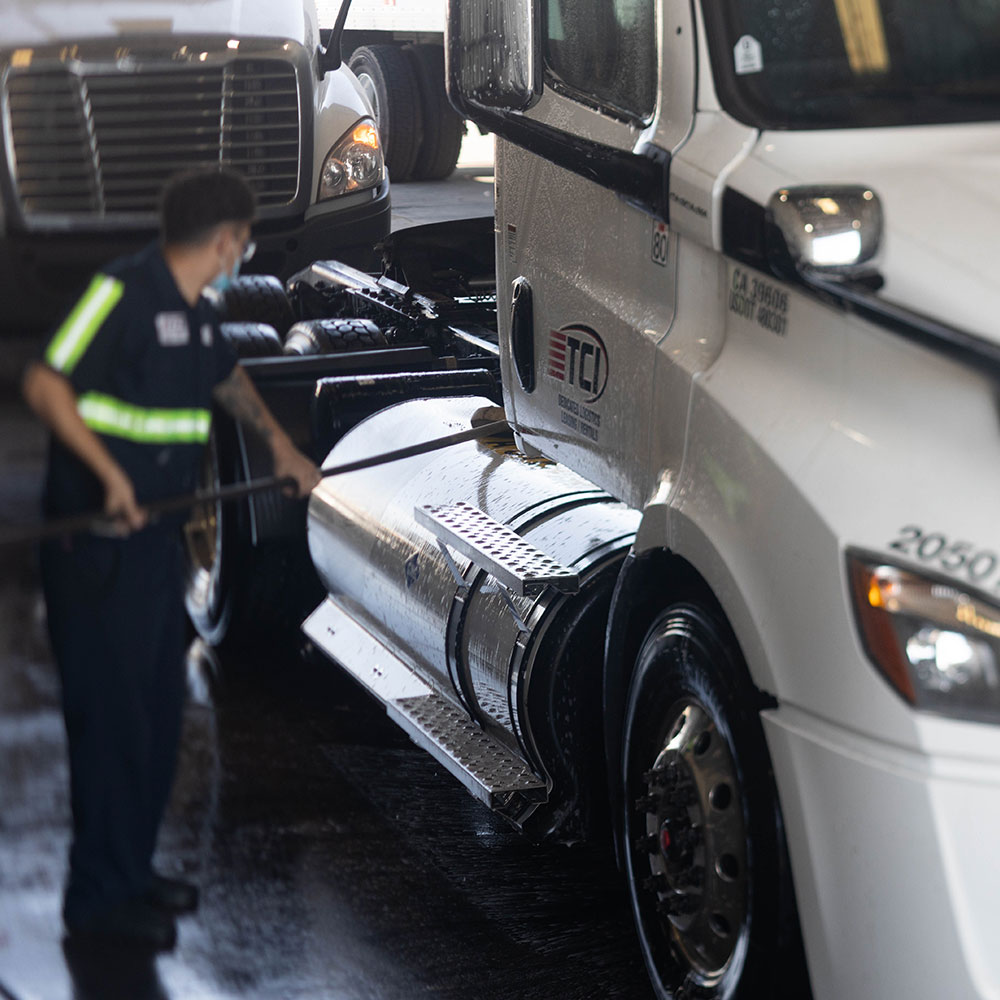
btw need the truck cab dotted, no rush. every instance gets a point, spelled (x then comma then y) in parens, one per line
(102, 104)
(745, 254)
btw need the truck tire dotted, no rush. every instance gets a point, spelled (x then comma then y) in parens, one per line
(386, 76)
(210, 548)
(252, 340)
(703, 845)
(239, 595)
(444, 127)
(331, 336)
(257, 298)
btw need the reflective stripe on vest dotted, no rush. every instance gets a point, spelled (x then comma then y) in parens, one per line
(73, 338)
(107, 415)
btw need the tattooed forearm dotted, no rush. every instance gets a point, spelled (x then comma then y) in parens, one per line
(239, 398)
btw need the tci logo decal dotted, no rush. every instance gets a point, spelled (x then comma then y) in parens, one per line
(578, 357)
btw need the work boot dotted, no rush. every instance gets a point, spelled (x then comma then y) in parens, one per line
(134, 923)
(172, 895)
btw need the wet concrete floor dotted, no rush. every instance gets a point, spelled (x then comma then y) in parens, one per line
(335, 859)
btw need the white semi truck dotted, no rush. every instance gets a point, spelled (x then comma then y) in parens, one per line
(396, 49)
(730, 586)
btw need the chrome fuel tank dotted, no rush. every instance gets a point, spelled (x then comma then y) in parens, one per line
(440, 613)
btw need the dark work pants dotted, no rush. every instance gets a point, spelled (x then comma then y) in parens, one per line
(116, 623)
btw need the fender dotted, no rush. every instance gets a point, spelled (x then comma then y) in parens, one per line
(652, 576)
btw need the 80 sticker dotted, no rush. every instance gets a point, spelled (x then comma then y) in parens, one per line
(660, 251)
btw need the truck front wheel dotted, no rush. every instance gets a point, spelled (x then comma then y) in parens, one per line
(703, 843)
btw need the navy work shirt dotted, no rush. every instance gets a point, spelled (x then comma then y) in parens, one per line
(143, 364)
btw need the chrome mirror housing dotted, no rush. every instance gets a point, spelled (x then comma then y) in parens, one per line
(834, 230)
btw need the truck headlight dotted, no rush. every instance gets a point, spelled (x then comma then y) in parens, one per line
(353, 164)
(937, 644)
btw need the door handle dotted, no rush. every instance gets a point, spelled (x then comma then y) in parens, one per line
(522, 333)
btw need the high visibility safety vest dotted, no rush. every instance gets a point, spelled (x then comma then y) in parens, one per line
(143, 364)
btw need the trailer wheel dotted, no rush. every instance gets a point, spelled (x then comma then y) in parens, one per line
(240, 595)
(388, 80)
(703, 843)
(257, 298)
(444, 127)
(209, 550)
(252, 340)
(332, 336)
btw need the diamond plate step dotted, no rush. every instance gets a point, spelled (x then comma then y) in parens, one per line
(518, 565)
(487, 768)
(490, 771)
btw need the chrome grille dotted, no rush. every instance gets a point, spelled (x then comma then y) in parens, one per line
(53, 141)
(101, 143)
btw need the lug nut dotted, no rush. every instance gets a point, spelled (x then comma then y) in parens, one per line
(649, 844)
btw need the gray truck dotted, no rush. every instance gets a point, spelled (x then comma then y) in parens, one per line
(99, 105)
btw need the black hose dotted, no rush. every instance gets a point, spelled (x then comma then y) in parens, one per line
(98, 520)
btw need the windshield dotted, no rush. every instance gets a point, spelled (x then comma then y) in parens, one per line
(844, 63)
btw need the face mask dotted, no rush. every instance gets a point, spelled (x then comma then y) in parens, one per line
(226, 278)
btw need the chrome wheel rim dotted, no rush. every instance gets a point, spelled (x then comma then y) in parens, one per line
(695, 844)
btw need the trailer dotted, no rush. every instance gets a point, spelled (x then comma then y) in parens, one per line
(396, 51)
(726, 592)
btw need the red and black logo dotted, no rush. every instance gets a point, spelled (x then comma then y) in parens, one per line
(578, 357)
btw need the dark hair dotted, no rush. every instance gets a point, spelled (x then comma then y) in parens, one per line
(196, 201)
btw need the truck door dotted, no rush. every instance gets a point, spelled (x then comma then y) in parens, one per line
(583, 255)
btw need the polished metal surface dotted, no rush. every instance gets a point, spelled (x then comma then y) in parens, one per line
(833, 228)
(489, 770)
(361, 654)
(697, 843)
(91, 139)
(445, 616)
(566, 527)
(520, 566)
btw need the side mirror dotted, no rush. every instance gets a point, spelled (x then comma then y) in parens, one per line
(328, 56)
(494, 53)
(834, 230)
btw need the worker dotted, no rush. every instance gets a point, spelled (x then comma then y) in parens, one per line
(126, 387)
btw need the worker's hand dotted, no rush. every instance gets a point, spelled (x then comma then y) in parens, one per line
(120, 503)
(290, 463)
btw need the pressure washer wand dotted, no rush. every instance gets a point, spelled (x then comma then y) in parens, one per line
(238, 491)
